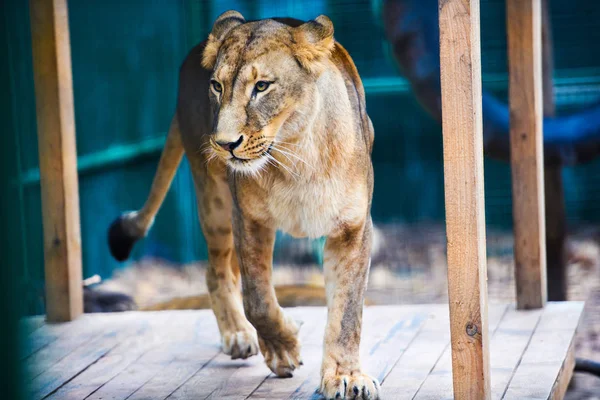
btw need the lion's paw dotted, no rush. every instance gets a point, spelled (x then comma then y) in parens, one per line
(356, 385)
(282, 351)
(281, 359)
(240, 344)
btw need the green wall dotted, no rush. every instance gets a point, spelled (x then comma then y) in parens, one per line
(11, 304)
(126, 56)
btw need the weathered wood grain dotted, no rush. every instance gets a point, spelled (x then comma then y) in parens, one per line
(523, 19)
(62, 341)
(188, 361)
(154, 351)
(565, 374)
(507, 345)
(82, 357)
(548, 358)
(40, 338)
(415, 364)
(153, 332)
(460, 66)
(48, 333)
(169, 373)
(439, 383)
(176, 354)
(58, 158)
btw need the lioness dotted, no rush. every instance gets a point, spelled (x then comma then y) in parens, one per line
(272, 117)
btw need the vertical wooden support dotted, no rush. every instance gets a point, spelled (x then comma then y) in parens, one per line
(554, 192)
(523, 19)
(549, 107)
(58, 158)
(463, 180)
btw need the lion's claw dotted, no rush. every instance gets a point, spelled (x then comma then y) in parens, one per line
(241, 344)
(352, 386)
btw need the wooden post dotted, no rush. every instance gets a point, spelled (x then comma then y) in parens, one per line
(554, 193)
(463, 180)
(58, 158)
(523, 19)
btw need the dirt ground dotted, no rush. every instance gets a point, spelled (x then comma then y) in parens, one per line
(408, 266)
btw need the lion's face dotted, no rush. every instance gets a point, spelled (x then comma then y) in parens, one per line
(258, 88)
(255, 88)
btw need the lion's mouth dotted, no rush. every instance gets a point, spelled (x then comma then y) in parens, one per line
(253, 164)
(237, 159)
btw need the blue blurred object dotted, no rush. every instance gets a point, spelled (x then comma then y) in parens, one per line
(412, 28)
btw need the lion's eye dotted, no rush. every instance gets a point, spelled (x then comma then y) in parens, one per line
(261, 86)
(217, 86)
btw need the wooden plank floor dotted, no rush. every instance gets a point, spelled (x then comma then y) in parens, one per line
(175, 355)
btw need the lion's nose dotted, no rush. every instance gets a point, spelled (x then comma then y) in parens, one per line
(229, 146)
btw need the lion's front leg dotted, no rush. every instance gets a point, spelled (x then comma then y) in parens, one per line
(277, 333)
(346, 267)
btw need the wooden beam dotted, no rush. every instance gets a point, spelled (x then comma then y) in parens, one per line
(554, 192)
(549, 106)
(58, 158)
(463, 181)
(523, 18)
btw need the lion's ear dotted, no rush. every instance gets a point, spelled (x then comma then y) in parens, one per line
(313, 42)
(222, 26)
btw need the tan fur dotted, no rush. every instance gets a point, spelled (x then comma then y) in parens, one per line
(302, 165)
(311, 46)
(221, 27)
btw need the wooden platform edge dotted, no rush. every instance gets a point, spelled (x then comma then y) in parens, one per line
(565, 375)
(559, 390)
(547, 364)
(544, 369)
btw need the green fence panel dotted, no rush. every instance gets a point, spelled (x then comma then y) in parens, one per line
(12, 264)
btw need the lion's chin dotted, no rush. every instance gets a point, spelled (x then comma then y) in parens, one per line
(248, 167)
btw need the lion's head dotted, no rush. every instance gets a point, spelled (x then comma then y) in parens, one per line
(263, 85)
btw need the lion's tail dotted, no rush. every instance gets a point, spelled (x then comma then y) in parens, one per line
(132, 226)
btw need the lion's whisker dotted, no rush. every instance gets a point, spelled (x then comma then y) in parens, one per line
(275, 141)
(290, 153)
(284, 142)
(288, 144)
(289, 159)
(211, 156)
(270, 157)
(205, 148)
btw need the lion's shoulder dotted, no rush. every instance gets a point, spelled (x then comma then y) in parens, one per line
(354, 86)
